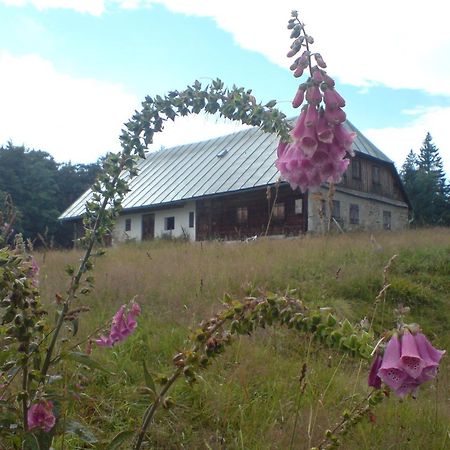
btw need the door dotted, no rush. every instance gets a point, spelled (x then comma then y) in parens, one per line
(148, 226)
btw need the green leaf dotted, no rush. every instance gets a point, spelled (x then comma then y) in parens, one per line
(149, 382)
(74, 325)
(30, 442)
(81, 431)
(119, 439)
(86, 360)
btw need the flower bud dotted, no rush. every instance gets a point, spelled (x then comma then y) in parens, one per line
(304, 59)
(298, 41)
(298, 72)
(328, 80)
(294, 64)
(317, 75)
(310, 39)
(293, 51)
(319, 60)
(299, 96)
(296, 32)
(333, 99)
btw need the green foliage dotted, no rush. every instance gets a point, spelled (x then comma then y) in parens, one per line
(426, 186)
(41, 190)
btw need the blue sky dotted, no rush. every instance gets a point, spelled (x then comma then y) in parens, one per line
(72, 71)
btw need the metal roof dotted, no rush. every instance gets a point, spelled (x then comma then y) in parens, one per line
(230, 163)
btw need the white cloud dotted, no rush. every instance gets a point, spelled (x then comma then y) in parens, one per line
(400, 44)
(397, 142)
(94, 7)
(189, 129)
(76, 119)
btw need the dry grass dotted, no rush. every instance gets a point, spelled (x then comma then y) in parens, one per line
(247, 399)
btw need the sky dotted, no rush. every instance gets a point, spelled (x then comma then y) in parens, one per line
(73, 71)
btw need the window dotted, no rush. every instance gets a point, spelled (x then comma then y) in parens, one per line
(169, 223)
(356, 169)
(242, 214)
(191, 219)
(127, 224)
(298, 206)
(278, 211)
(354, 214)
(375, 175)
(336, 209)
(387, 220)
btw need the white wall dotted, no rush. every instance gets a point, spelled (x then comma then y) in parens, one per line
(180, 214)
(135, 233)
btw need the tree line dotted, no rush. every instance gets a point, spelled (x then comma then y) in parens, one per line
(425, 184)
(40, 189)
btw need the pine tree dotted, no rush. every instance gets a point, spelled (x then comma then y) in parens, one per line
(425, 184)
(409, 168)
(430, 161)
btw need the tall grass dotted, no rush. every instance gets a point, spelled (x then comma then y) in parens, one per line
(248, 399)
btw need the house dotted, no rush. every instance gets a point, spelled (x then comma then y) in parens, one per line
(226, 188)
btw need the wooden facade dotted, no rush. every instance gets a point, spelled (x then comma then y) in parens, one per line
(373, 176)
(245, 214)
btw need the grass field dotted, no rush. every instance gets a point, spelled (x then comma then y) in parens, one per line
(250, 397)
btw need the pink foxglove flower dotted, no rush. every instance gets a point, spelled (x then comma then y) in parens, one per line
(313, 95)
(123, 324)
(374, 380)
(308, 142)
(324, 130)
(320, 145)
(40, 415)
(299, 127)
(312, 116)
(390, 372)
(333, 99)
(299, 97)
(409, 360)
(335, 116)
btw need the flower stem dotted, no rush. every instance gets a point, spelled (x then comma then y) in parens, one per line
(76, 279)
(150, 412)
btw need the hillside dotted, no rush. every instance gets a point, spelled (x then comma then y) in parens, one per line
(250, 398)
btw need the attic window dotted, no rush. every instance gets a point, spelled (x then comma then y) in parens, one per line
(222, 153)
(356, 169)
(375, 175)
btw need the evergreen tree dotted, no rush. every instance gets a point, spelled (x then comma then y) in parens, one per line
(430, 162)
(425, 184)
(41, 190)
(409, 168)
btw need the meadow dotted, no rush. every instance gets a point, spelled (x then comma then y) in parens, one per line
(251, 396)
